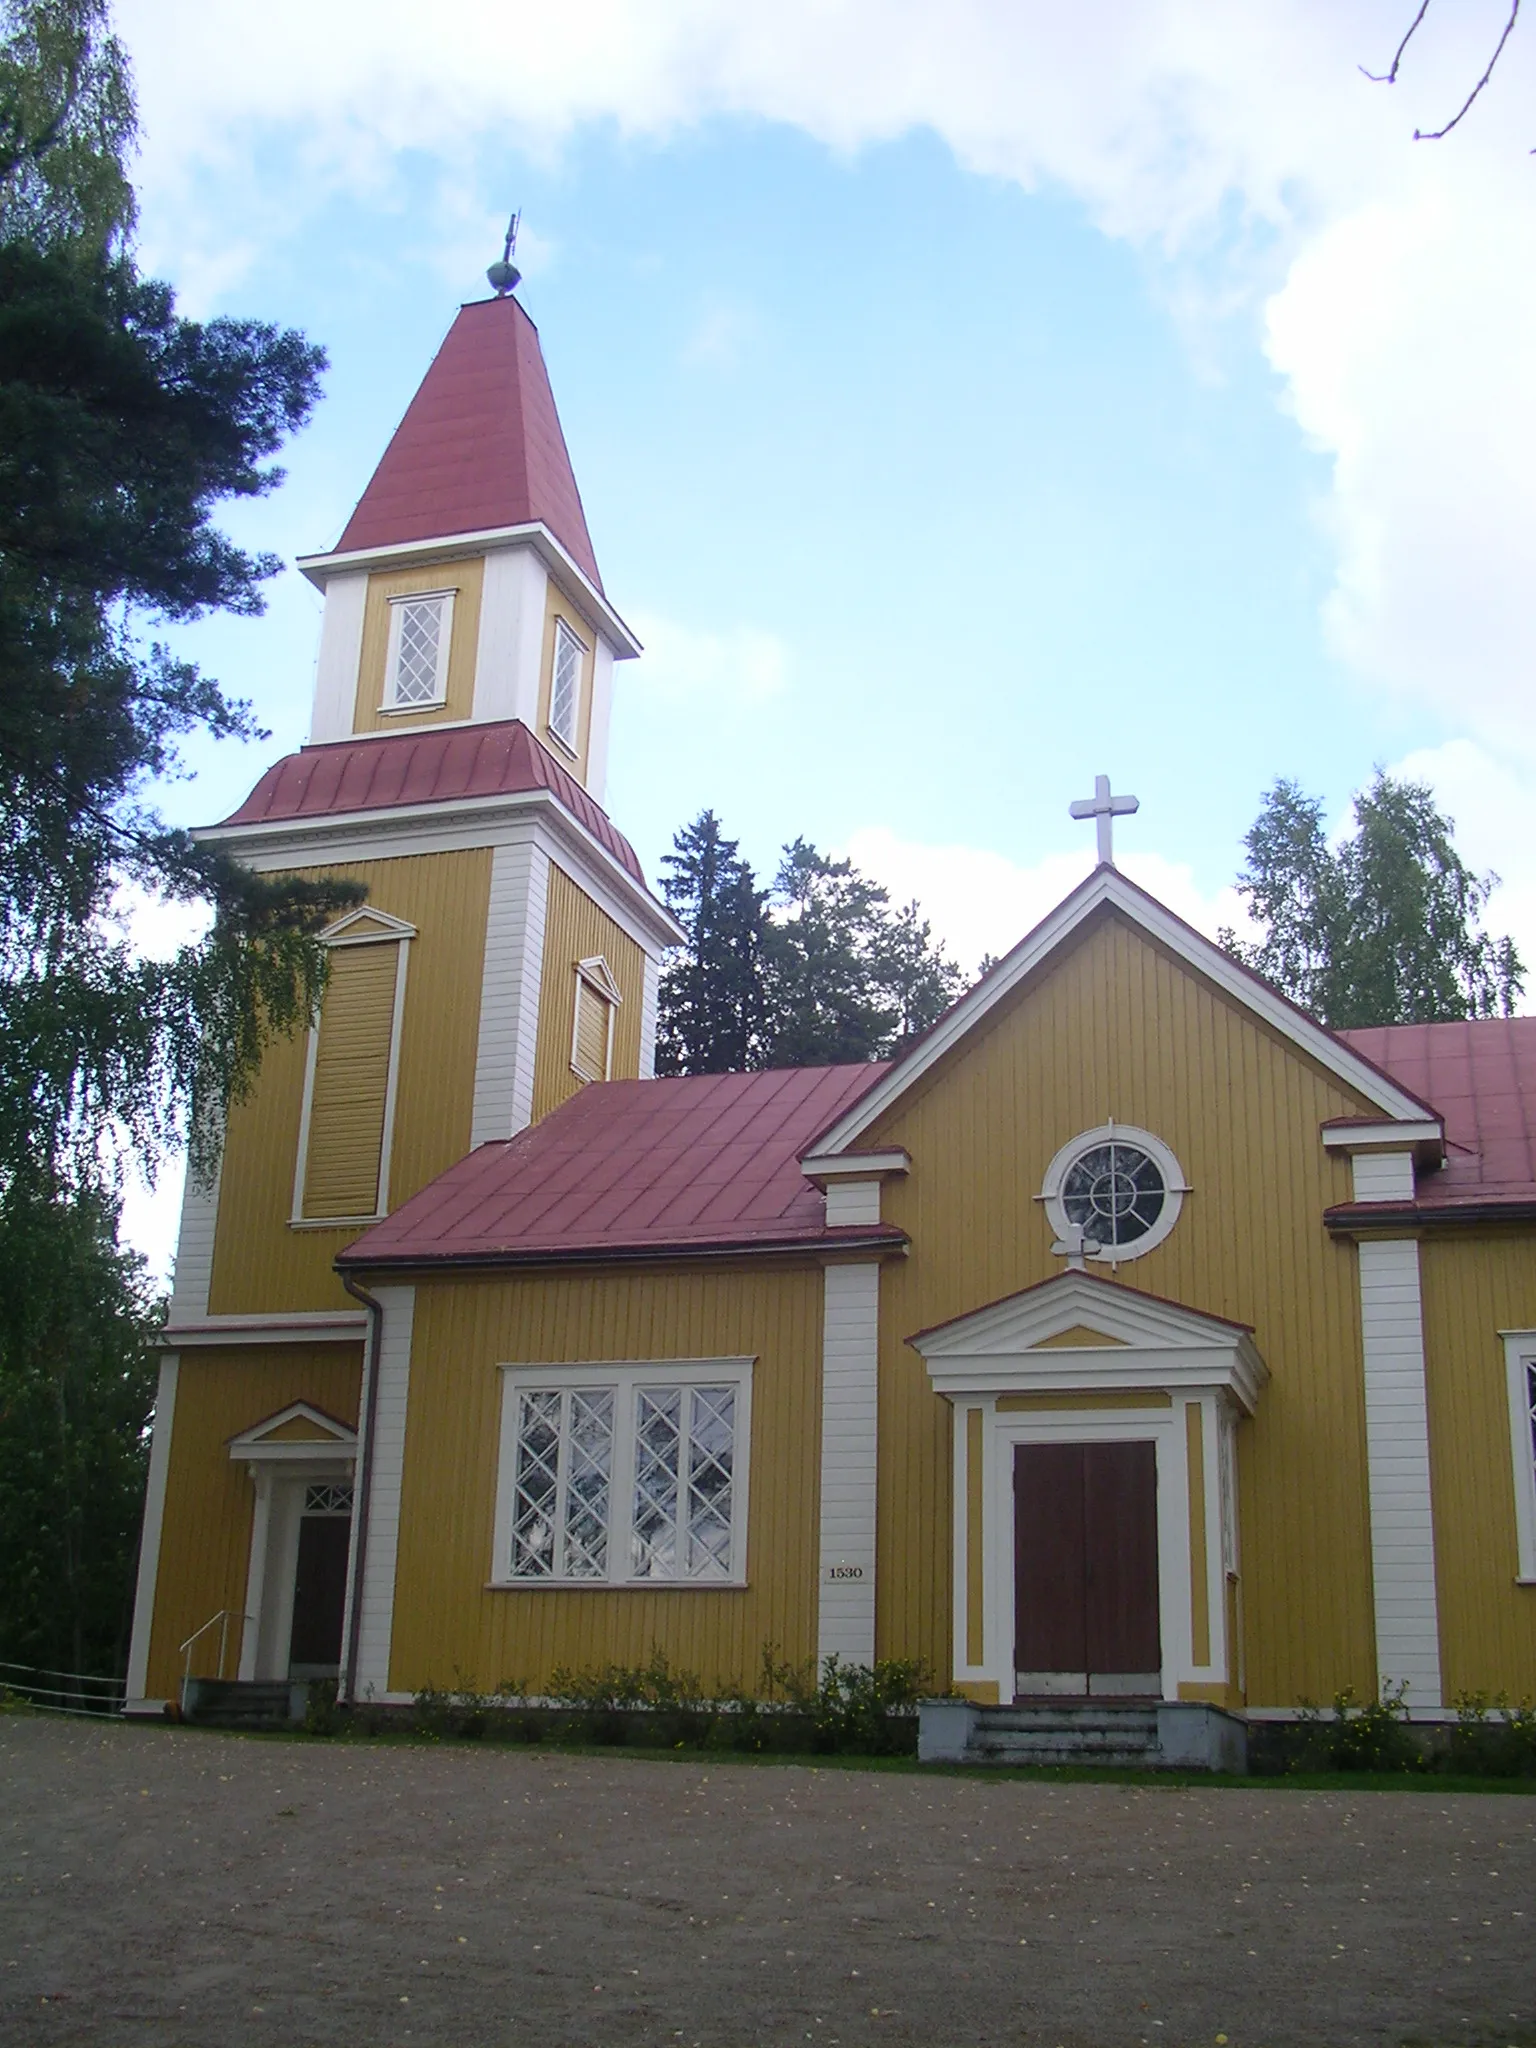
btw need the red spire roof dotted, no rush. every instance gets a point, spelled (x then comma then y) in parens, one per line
(480, 445)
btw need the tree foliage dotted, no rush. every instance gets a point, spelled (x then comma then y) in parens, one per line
(819, 969)
(66, 127)
(1385, 928)
(123, 428)
(76, 1382)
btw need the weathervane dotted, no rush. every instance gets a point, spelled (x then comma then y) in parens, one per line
(1104, 809)
(503, 276)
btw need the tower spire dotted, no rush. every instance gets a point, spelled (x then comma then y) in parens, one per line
(503, 277)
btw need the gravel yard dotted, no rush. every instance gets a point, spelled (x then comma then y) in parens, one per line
(179, 1886)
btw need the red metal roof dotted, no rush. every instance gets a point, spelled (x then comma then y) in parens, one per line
(630, 1167)
(480, 445)
(424, 767)
(1481, 1077)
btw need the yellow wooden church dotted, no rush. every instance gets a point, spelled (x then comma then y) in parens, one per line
(1130, 1340)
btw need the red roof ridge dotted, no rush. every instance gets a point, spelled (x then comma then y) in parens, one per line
(480, 446)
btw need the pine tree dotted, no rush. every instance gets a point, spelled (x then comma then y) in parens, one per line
(1383, 930)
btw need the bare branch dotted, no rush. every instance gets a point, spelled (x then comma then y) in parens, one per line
(1434, 135)
(1390, 77)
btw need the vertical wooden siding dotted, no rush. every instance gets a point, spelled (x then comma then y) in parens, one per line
(346, 1116)
(205, 1543)
(466, 578)
(576, 929)
(259, 1261)
(1118, 1029)
(445, 1619)
(1473, 1287)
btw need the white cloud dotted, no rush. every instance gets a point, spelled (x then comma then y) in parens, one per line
(1241, 142)
(979, 902)
(686, 668)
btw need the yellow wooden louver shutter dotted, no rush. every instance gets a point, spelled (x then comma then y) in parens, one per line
(591, 1060)
(346, 1114)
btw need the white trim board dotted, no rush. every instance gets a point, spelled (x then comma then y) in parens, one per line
(394, 832)
(1107, 889)
(580, 588)
(510, 991)
(1397, 1458)
(1519, 1351)
(850, 1354)
(386, 1470)
(149, 1541)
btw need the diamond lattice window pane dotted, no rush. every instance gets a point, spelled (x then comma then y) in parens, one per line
(589, 1468)
(416, 655)
(711, 1457)
(658, 1454)
(536, 1488)
(566, 687)
(327, 1497)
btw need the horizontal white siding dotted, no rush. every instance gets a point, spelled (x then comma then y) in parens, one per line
(194, 1251)
(386, 1466)
(509, 993)
(849, 1413)
(1397, 1449)
(1383, 1176)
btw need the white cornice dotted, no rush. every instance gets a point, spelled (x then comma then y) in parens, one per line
(821, 1167)
(1423, 1136)
(443, 827)
(299, 1326)
(1107, 888)
(451, 547)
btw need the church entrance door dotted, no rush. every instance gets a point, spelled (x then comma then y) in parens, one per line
(1085, 1569)
(319, 1594)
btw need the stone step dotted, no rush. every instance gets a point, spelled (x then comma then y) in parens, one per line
(244, 1702)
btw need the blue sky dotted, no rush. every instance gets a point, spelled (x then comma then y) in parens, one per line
(957, 416)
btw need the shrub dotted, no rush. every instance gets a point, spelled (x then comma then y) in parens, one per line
(1370, 1735)
(1491, 1738)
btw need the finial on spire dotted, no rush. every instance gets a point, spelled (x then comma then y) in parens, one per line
(503, 276)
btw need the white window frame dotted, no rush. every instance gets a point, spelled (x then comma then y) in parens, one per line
(598, 976)
(567, 739)
(362, 927)
(1519, 1358)
(625, 1380)
(443, 599)
(1175, 1187)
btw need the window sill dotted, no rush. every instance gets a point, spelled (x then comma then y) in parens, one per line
(565, 746)
(334, 1222)
(412, 710)
(616, 1585)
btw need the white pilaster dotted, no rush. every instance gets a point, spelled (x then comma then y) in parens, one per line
(386, 1469)
(509, 992)
(650, 998)
(194, 1250)
(149, 1541)
(340, 657)
(1397, 1451)
(510, 649)
(849, 1411)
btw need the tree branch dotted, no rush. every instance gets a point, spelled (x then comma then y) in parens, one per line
(1390, 77)
(1434, 135)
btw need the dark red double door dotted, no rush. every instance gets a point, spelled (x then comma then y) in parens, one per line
(1085, 1569)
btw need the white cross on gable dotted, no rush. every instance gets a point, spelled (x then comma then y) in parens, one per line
(1104, 808)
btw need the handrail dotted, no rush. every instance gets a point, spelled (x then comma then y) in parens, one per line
(223, 1617)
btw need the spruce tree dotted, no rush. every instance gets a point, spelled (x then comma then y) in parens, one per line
(711, 993)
